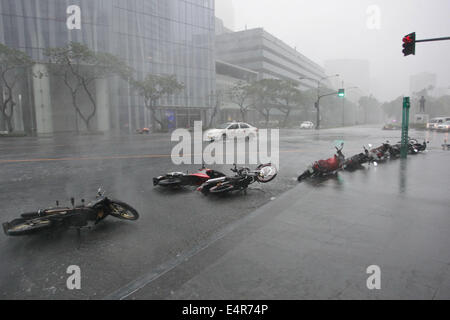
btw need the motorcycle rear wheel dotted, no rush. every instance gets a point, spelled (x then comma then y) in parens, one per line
(305, 175)
(221, 189)
(121, 210)
(170, 183)
(23, 227)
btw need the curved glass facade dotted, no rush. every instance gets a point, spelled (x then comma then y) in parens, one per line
(153, 36)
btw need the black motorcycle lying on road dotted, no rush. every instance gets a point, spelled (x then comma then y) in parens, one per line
(77, 216)
(243, 178)
(356, 162)
(414, 147)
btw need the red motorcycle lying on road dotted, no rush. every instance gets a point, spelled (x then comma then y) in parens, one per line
(323, 168)
(180, 179)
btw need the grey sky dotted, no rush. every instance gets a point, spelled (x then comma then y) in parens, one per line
(335, 29)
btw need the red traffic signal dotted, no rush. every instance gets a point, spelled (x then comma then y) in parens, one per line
(409, 44)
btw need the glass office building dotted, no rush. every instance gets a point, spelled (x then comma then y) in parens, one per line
(162, 37)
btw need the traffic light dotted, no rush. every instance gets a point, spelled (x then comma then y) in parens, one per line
(341, 93)
(409, 44)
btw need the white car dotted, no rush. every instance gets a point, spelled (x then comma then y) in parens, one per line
(307, 125)
(232, 130)
(444, 126)
(434, 123)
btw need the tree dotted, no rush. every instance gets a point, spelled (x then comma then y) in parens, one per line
(218, 100)
(11, 61)
(79, 67)
(153, 88)
(370, 104)
(241, 95)
(264, 93)
(288, 97)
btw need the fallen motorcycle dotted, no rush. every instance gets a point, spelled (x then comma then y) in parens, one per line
(414, 147)
(243, 178)
(380, 154)
(323, 168)
(179, 179)
(417, 147)
(77, 216)
(356, 162)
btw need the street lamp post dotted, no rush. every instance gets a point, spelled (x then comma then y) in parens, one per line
(317, 104)
(343, 102)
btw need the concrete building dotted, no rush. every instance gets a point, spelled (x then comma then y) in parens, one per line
(227, 76)
(152, 36)
(423, 81)
(220, 27)
(260, 51)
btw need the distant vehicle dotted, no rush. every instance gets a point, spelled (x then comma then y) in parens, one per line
(394, 125)
(232, 130)
(307, 125)
(143, 131)
(435, 122)
(444, 127)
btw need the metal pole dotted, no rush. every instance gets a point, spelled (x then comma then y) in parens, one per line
(318, 114)
(405, 127)
(435, 39)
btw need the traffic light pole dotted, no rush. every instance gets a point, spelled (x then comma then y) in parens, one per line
(435, 39)
(409, 43)
(318, 107)
(405, 127)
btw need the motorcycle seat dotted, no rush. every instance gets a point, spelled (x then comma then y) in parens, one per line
(201, 175)
(329, 165)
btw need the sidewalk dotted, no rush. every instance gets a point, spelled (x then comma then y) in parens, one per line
(317, 241)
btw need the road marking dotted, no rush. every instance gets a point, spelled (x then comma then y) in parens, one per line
(149, 156)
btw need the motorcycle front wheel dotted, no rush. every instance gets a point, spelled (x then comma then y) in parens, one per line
(123, 211)
(267, 173)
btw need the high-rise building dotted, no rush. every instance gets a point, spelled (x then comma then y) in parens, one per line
(152, 36)
(423, 81)
(353, 73)
(225, 12)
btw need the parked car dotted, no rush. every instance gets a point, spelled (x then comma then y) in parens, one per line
(232, 130)
(307, 125)
(445, 127)
(434, 123)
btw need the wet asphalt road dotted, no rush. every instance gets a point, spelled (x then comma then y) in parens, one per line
(36, 172)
